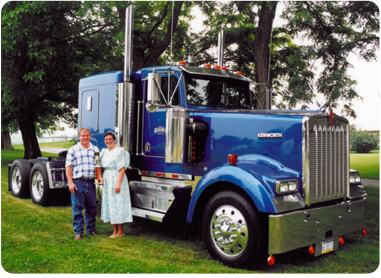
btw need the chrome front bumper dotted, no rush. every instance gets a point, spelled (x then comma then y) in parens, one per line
(290, 231)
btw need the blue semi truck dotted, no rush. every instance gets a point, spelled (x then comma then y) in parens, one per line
(255, 182)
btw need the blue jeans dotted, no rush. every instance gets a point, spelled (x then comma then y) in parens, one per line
(84, 198)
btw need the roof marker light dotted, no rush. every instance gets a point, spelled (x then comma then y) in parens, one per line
(182, 63)
(239, 72)
(208, 65)
(232, 159)
(217, 67)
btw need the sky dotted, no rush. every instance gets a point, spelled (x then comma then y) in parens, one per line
(367, 75)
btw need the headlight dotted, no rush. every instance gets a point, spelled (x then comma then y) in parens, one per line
(355, 177)
(286, 186)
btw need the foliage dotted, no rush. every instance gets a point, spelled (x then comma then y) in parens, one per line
(46, 48)
(364, 141)
(315, 33)
(334, 30)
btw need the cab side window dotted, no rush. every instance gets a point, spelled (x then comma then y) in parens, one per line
(164, 88)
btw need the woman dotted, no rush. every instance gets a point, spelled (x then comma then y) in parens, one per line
(116, 202)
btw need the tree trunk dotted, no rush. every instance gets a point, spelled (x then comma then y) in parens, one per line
(6, 143)
(29, 137)
(262, 50)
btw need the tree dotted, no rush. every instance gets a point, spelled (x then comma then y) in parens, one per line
(6, 143)
(333, 29)
(48, 46)
(364, 141)
(43, 55)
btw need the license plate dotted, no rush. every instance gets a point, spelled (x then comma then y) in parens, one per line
(327, 247)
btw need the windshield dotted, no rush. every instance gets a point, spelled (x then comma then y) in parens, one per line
(216, 91)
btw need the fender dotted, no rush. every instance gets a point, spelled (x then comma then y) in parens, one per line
(245, 174)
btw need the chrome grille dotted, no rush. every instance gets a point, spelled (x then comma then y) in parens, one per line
(328, 161)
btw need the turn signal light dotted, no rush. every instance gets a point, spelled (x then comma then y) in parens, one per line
(341, 240)
(311, 250)
(364, 232)
(271, 260)
(232, 159)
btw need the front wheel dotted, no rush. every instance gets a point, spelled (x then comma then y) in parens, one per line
(230, 229)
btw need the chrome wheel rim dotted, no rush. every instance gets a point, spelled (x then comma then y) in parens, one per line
(37, 186)
(16, 180)
(229, 231)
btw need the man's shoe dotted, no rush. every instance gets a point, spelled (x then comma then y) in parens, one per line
(77, 237)
(94, 234)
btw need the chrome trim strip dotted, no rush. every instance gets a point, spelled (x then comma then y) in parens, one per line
(138, 126)
(326, 159)
(348, 159)
(306, 164)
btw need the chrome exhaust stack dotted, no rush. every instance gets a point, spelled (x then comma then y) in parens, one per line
(126, 92)
(221, 45)
(128, 45)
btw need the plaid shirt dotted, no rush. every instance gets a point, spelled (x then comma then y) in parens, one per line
(83, 161)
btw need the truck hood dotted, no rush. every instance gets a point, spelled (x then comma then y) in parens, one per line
(277, 134)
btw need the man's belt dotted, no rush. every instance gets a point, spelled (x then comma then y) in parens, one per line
(84, 179)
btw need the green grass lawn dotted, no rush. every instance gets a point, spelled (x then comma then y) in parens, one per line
(367, 164)
(37, 239)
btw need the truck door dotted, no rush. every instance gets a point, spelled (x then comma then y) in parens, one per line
(154, 123)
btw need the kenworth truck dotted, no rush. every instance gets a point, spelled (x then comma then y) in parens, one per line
(255, 182)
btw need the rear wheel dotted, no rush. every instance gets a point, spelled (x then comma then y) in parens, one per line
(230, 229)
(19, 177)
(39, 185)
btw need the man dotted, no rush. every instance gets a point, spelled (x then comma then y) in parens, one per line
(80, 174)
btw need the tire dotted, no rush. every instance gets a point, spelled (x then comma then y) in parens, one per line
(39, 185)
(19, 178)
(34, 161)
(230, 229)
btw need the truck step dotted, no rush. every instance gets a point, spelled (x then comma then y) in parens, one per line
(152, 215)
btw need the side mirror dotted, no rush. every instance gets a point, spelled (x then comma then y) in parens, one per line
(153, 93)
